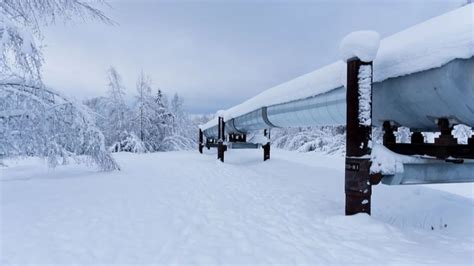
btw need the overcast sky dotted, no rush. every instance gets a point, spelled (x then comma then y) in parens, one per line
(217, 53)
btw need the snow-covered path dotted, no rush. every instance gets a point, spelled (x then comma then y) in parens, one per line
(182, 207)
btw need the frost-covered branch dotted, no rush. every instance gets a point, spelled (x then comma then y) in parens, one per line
(20, 28)
(57, 129)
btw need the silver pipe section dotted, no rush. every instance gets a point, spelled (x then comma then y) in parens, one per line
(414, 101)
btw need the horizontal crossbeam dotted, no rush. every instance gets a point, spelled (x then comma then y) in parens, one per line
(439, 151)
(243, 145)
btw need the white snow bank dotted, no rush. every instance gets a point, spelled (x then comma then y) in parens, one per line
(430, 44)
(361, 44)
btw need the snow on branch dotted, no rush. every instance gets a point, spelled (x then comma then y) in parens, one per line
(20, 23)
(57, 130)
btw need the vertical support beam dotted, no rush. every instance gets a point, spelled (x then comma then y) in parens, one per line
(388, 135)
(266, 151)
(221, 148)
(359, 133)
(201, 141)
(445, 138)
(266, 147)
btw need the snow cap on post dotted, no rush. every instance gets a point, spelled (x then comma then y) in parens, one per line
(361, 44)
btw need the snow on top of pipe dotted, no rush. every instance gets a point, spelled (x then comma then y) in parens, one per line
(387, 162)
(360, 44)
(427, 45)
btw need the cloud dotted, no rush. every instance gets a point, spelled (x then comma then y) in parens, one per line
(215, 54)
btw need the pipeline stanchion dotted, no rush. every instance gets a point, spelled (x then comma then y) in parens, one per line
(358, 140)
(201, 141)
(221, 147)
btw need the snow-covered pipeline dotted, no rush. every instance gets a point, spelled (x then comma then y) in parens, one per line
(420, 74)
(414, 101)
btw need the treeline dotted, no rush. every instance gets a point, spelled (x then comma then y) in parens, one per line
(332, 139)
(151, 122)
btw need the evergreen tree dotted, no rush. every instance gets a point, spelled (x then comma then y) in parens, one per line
(34, 120)
(163, 119)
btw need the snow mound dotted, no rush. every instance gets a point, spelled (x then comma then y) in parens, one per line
(360, 44)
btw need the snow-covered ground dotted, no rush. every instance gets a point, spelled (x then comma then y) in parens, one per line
(183, 207)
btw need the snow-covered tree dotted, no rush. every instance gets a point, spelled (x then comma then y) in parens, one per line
(183, 130)
(20, 30)
(144, 109)
(49, 125)
(176, 107)
(153, 124)
(34, 120)
(163, 119)
(117, 112)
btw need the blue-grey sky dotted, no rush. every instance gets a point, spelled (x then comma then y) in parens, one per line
(216, 53)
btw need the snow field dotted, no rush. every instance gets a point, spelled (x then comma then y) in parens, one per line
(183, 207)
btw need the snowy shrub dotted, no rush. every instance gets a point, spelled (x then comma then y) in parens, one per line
(177, 143)
(129, 143)
(328, 139)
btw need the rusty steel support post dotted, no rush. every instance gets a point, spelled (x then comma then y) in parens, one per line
(201, 141)
(266, 151)
(221, 148)
(388, 135)
(359, 133)
(445, 138)
(266, 147)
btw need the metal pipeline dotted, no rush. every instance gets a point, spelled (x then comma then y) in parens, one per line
(416, 100)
